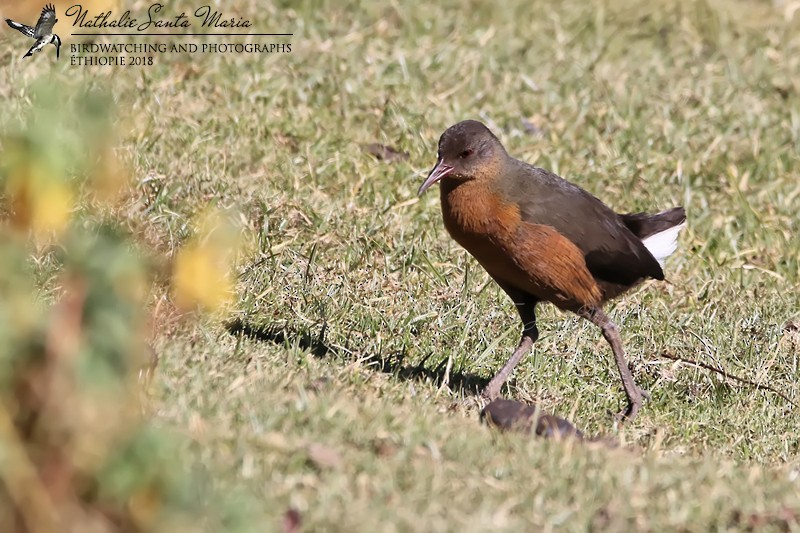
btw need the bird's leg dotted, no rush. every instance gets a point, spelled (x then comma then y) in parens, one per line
(527, 312)
(596, 316)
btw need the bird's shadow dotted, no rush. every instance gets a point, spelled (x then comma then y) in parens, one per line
(395, 364)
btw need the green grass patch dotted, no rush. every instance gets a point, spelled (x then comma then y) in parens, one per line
(356, 296)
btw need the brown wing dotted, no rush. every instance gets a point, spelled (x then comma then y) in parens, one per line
(612, 252)
(548, 266)
(528, 258)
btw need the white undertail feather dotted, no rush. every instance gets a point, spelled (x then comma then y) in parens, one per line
(663, 243)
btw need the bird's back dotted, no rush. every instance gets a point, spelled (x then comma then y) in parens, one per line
(613, 254)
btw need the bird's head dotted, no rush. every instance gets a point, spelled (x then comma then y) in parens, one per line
(467, 151)
(57, 42)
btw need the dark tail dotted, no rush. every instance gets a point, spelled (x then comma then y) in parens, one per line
(644, 225)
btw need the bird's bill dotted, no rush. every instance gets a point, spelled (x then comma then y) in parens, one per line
(439, 171)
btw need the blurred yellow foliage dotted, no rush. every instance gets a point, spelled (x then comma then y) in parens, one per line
(108, 177)
(40, 200)
(202, 272)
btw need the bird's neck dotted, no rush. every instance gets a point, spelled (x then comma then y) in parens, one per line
(475, 207)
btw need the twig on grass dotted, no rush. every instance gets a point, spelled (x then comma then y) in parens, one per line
(726, 374)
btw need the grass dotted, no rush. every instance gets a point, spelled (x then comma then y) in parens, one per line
(356, 296)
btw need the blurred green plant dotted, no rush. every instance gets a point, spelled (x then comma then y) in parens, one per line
(75, 452)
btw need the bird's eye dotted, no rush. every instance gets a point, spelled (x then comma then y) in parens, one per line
(466, 153)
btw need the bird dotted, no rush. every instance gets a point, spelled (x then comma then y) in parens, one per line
(42, 32)
(544, 239)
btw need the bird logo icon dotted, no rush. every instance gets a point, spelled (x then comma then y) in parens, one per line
(42, 32)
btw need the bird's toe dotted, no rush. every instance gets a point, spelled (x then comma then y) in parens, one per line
(630, 413)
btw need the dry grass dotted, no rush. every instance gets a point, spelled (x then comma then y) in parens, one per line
(645, 106)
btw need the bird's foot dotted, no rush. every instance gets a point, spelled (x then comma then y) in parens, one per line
(634, 404)
(628, 414)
